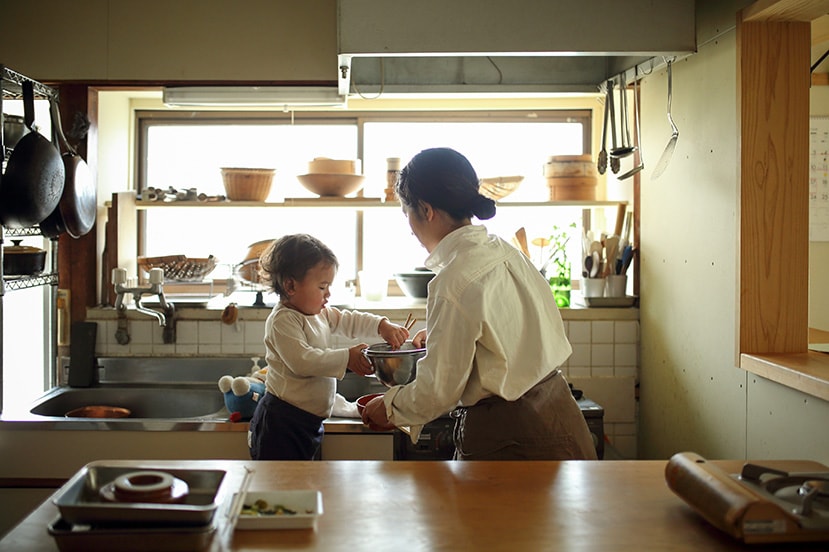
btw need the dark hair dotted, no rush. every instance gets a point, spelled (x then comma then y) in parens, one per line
(292, 256)
(445, 179)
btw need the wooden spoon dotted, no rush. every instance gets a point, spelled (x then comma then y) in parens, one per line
(521, 236)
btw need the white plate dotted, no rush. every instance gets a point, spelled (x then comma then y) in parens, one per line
(306, 504)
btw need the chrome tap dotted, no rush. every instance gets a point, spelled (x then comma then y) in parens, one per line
(165, 319)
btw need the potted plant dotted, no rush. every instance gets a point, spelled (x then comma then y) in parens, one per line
(557, 267)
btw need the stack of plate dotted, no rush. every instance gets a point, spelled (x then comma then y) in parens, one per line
(128, 506)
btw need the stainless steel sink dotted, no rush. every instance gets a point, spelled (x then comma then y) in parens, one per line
(143, 402)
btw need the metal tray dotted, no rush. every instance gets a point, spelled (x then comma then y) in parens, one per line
(129, 537)
(79, 501)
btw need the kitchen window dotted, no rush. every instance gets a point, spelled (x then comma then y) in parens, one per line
(186, 150)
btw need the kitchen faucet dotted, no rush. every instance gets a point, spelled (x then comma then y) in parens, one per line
(166, 319)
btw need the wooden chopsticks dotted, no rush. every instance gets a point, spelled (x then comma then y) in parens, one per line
(410, 321)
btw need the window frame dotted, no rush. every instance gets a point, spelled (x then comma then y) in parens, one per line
(146, 118)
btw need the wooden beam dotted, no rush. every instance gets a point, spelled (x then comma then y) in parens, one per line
(773, 108)
(785, 10)
(820, 79)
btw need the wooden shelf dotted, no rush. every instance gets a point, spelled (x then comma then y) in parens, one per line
(345, 202)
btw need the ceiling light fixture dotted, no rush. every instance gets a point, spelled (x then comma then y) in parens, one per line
(289, 97)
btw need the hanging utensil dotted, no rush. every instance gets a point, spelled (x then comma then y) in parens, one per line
(601, 164)
(614, 161)
(626, 148)
(662, 164)
(637, 123)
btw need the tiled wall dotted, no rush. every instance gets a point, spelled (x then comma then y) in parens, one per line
(604, 363)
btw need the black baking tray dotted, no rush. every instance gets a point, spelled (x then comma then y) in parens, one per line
(79, 500)
(129, 537)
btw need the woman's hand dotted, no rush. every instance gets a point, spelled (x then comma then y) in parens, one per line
(357, 361)
(393, 334)
(374, 415)
(419, 339)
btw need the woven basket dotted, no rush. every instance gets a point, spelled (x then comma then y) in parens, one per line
(499, 187)
(178, 268)
(247, 184)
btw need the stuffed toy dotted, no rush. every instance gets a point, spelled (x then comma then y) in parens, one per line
(242, 393)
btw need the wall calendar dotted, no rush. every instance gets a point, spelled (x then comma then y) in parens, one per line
(819, 179)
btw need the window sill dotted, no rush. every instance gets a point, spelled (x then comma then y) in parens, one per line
(807, 372)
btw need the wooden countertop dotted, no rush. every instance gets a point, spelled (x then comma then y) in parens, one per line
(577, 505)
(807, 372)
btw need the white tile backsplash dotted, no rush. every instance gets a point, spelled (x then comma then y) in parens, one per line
(626, 331)
(601, 354)
(601, 331)
(579, 331)
(187, 332)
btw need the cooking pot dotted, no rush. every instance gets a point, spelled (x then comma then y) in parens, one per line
(14, 128)
(23, 260)
(33, 182)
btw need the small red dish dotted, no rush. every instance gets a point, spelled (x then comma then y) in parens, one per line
(364, 400)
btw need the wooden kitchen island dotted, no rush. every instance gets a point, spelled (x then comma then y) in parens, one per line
(515, 506)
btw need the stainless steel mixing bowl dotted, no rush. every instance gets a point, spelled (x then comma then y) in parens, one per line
(394, 366)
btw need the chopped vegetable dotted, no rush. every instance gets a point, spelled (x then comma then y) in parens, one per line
(262, 508)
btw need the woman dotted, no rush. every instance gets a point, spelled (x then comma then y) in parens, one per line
(495, 336)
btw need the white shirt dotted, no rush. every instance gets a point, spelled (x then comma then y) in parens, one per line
(492, 325)
(302, 368)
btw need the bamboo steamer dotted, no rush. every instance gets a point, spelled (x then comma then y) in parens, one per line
(324, 165)
(571, 177)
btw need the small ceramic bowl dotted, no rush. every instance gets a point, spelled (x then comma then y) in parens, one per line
(364, 400)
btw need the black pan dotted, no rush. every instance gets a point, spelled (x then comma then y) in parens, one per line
(33, 182)
(77, 209)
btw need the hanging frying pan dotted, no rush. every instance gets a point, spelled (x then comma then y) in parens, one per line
(33, 182)
(78, 206)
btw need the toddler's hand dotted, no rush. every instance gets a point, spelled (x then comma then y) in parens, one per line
(419, 339)
(393, 334)
(357, 361)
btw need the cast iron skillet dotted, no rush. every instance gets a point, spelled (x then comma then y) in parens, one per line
(77, 209)
(33, 182)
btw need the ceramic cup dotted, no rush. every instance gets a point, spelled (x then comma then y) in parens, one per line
(373, 285)
(592, 287)
(616, 285)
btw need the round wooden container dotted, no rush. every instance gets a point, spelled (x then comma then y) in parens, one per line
(571, 177)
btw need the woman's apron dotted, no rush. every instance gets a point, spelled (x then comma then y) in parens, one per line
(545, 423)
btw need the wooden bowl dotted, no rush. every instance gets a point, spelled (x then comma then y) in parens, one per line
(330, 184)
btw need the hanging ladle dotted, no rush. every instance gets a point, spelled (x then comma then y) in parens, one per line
(662, 164)
(626, 148)
(636, 122)
(614, 161)
(601, 163)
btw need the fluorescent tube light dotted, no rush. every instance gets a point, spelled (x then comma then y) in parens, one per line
(253, 96)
